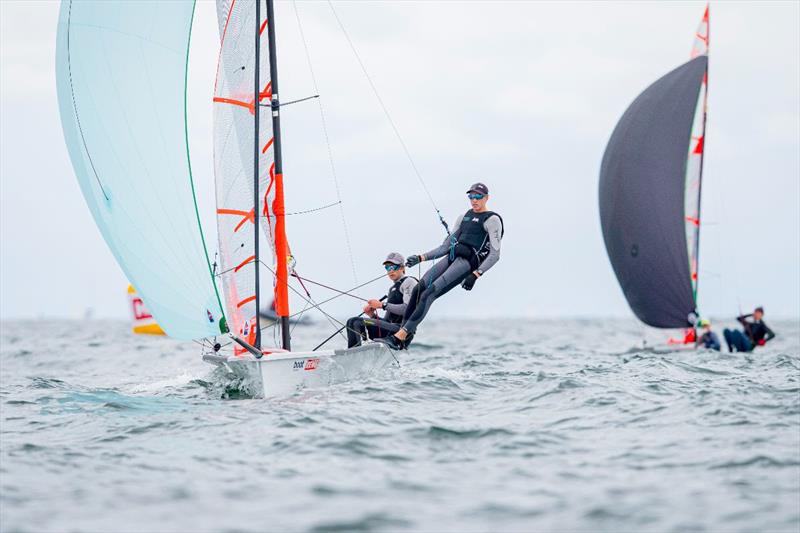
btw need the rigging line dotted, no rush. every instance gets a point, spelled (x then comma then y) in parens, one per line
(343, 293)
(327, 143)
(389, 118)
(318, 305)
(298, 318)
(304, 212)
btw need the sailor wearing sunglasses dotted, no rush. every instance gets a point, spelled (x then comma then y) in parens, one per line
(394, 304)
(471, 249)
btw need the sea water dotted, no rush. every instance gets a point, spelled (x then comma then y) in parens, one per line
(508, 425)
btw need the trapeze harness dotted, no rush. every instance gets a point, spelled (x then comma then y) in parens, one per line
(473, 240)
(395, 296)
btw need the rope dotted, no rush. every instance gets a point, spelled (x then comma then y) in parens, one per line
(327, 143)
(343, 293)
(317, 305)
(308, 210)
(389, 118)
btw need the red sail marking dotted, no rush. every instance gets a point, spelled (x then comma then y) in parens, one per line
(263, 25)
(231, 101)
(266, 93)
(231, 212)
(243, 263)
(702, 38)
(244, 214)
(281, 250)
(265, 211)
(246, 300)
(251, 216)
(698, 149)
(693, 220)
(266, 146)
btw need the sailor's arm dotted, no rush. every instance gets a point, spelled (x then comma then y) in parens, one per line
(769, 335)
(444, 248)
(494, 227)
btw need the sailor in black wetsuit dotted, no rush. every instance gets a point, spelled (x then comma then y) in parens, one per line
(471, 249)
(358, 328)
(756, 332)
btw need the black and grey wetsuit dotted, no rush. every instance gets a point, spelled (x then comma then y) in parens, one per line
(397, 299)
(473, 245)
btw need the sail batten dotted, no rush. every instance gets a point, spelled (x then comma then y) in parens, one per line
(121, 77)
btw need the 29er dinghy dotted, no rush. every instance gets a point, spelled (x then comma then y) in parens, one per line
(650, 186)
(121, 71)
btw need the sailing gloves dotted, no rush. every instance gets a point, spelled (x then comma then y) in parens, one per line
(413, 260)
(469, 281)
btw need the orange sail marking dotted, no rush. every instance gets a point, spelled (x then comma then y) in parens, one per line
(246, 300)
(251, 216)
(243, 263)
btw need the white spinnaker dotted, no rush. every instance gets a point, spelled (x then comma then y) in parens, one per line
(121, 77)
(234, 108)
(695, 158)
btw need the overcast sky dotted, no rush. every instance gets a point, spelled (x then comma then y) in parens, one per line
(520, 95)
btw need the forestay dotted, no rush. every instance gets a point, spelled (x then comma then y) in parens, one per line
(121, 75)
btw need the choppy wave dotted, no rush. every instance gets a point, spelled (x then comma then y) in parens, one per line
(506, 426)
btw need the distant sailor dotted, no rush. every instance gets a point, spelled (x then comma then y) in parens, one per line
(708, 339)
(471, 250)
(756, 332)
(358, 328)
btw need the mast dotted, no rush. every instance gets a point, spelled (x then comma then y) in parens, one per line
(256, 156)
(281, 246)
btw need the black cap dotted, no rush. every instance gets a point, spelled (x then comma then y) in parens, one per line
(479, 188)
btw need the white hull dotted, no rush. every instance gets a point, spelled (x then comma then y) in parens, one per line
(282, 373)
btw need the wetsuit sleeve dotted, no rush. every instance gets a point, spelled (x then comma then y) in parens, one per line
(406, 288)
(743, 319)
(494, 227)
(444, 248)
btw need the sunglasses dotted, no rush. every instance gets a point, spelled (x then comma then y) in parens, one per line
(391, 268)
(475, 196)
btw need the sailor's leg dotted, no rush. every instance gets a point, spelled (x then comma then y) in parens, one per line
(377, 328)
(452, 276)
(355, 331)
(727, 334)
(426, 281)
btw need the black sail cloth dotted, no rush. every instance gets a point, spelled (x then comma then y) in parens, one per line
(642, 195)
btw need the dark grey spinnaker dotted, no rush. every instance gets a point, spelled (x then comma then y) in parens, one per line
(642, 191)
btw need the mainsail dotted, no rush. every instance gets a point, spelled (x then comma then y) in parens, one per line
(121, 75)
(650, 180)
(234, 136)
